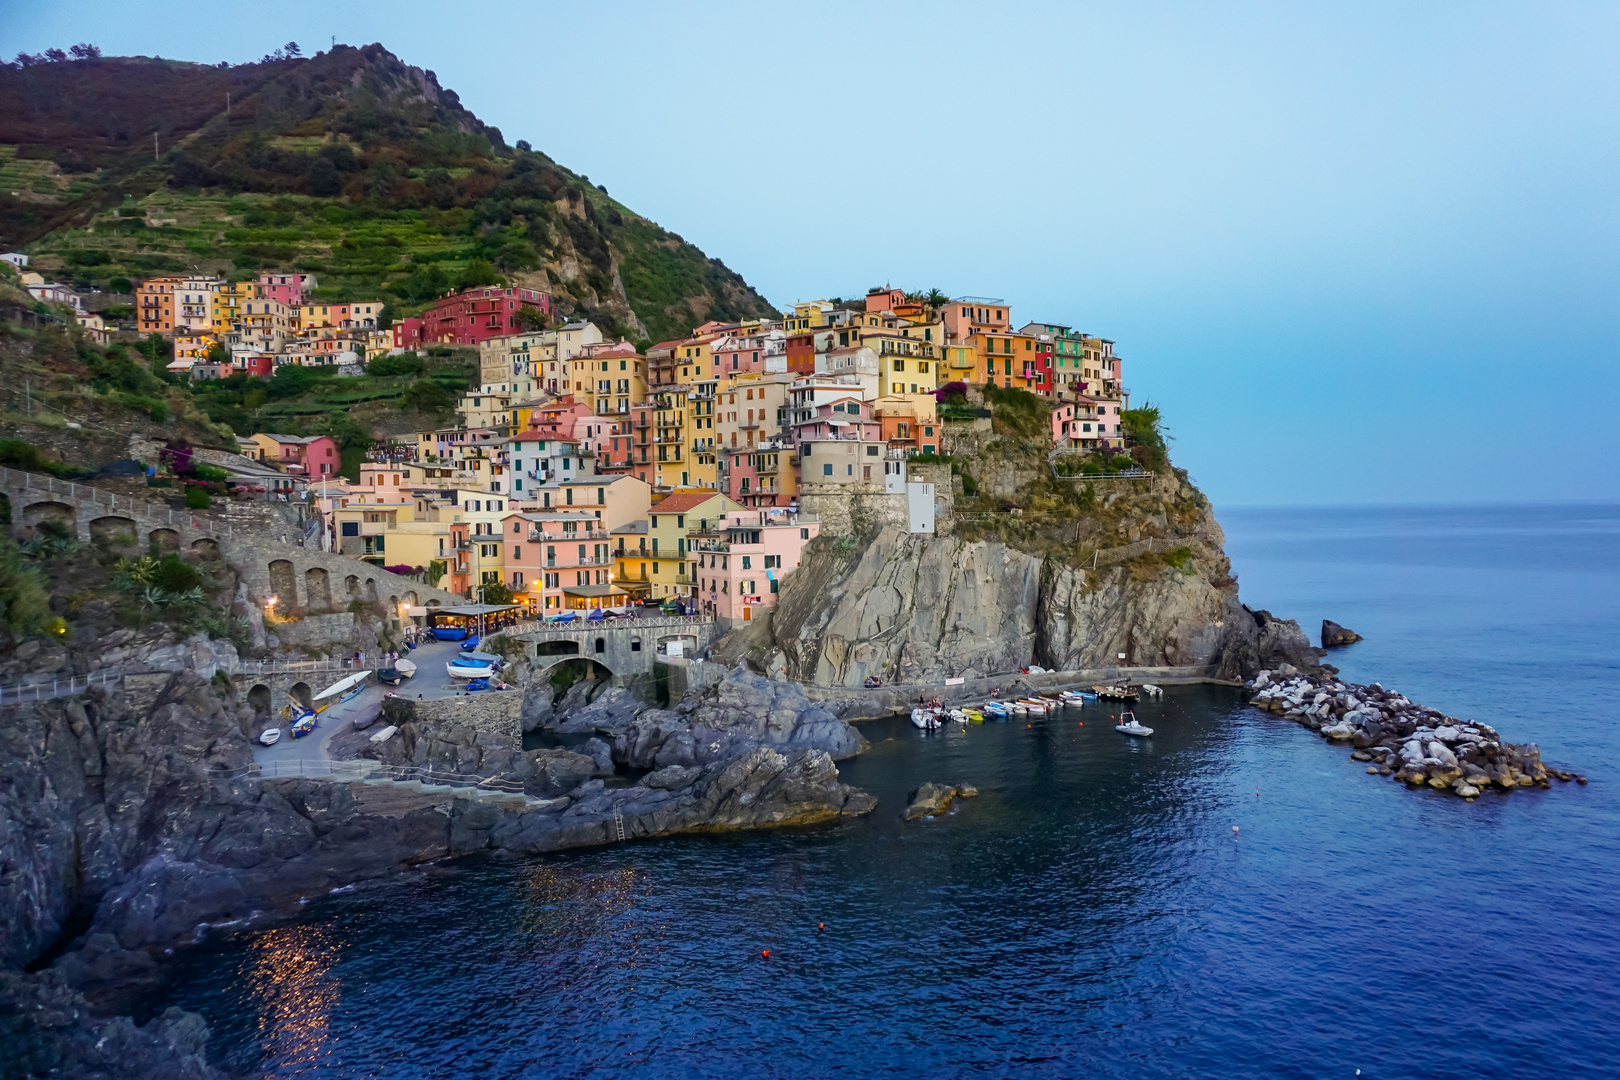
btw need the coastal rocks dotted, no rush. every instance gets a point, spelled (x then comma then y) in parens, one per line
(742, 710)
(1419, 746)
(47, 1029)
(1258, 640)
(1334, 635)
(462, 749)
(932, 800)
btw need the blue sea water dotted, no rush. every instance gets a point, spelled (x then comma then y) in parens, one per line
(1092, 913)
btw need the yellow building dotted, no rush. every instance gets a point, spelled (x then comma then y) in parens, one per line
(959, 363)
(674, 571)
(229, 303)
(701, 470)
(614, 377)
(670, 460)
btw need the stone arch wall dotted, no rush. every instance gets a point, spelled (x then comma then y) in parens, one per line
(598, 669)
(259, 698)
(300, 693)
(284, 583)
(351, 587)
(164, 541)
(557, 647)
(371, 590)
(205, 548)
(48, 510)
(115, 531)
(317, 589)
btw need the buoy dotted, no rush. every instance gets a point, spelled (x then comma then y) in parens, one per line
(821, 926)
(1234, 830)
(764, 954)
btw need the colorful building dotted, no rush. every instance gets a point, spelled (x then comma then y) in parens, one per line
(742, 558)
(474, 315)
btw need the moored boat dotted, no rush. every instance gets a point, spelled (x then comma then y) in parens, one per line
(996, 710)
(926, 719)
(1152, 691)
(1033, 706)
(1116, 693)
(1128, 725)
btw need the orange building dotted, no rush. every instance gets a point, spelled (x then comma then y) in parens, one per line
(154, 305)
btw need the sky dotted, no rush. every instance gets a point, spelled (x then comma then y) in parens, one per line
(1356, 253)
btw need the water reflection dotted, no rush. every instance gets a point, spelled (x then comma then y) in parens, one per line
(288, 972)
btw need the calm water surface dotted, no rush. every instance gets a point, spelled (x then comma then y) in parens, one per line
(1092, 914)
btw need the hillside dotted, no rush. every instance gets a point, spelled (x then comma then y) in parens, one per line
(351, 165)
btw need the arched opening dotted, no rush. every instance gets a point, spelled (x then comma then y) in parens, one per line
(317, 589)
(284, 584)
(351, 586)
(5, 509)
(568, 673)
(164, 541)
(259, 699)
(60, 515)
(678, 645)
(300, 694)
(433, 603)
(371, 590)
(205, 548)
(556, 648)
(601, 645)
(410, 598)
(114, 532)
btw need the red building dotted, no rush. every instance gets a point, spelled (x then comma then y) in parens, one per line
(469, 317)
(408, 334)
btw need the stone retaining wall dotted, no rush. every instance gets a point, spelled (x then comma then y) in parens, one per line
(493, 712)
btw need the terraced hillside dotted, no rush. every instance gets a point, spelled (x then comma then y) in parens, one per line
(351, 165)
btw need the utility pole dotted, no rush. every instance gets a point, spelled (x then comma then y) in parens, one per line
(28, 395)
(154, 146)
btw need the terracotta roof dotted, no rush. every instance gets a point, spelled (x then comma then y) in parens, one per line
(682, 502)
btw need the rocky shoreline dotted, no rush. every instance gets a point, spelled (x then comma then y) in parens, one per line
(1416, 745)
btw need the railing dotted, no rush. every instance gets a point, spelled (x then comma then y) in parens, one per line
(57, 688)
(580, 625)
(368, 770)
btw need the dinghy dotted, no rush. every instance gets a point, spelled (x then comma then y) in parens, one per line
(995, 710)
(1151, 690)
(270, 736)
(926, 719)
(1129, 726)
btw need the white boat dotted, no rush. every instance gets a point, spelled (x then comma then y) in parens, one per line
(460, 670)
(958, 715)
(341, 687)
(1032, 706)
(995, 709)
(1017, 708)
(1151, 690)
(927, 719)
(1072, 697)
(1129, 726)
(270, 736)
(405, 667)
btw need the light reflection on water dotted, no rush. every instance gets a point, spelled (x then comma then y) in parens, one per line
(289, 970)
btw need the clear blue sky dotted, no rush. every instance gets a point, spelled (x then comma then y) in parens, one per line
(1358, 252)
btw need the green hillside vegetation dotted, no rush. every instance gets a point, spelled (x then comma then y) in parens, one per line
(350, 165)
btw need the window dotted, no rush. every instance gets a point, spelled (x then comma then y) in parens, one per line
(517, 552)
(826, 470)
(747, 562)
(773, 562)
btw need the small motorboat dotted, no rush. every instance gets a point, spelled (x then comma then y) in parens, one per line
(926, 719)
(1033, 706)
(385, 734)
(1116, 693)
(1152, 691)
(390, 676)
(995, 710)
(473, 666)
(303, 725)
(270, 736)
(364, 720)
(1076, 697)
(974, 716)
(480, 683)
(958, 715)
(1129, 726)
(1017, 708)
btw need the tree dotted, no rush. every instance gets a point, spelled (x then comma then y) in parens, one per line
(523, 144)
(218, 354)
(478, 272)
(291, 49)
(86, 51)
(385, 317)
(425, 395)
(531, 318)
(196, 498)
(496, 593)
(55, 55)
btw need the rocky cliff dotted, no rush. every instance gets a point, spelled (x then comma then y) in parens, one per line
(1141, 573)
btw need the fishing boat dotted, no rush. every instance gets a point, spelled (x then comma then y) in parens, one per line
(270, 736)
(1033, 706)
(995, 710)
(406, 668)
(1075, 697)
(303, 725)
(1116, 693)
(1129, 726)
(473, 666)
(343, 690)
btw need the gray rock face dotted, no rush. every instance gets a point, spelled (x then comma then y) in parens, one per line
(461, 749)
(743, 710)
(921, 609)
(1334, 635)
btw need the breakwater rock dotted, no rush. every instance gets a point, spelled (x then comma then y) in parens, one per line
(932, 800)
(1417, 745)
(1334, 635)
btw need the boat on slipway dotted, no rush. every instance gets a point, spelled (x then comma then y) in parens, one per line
(343, 690)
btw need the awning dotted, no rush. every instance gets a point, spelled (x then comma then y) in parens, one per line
(477, 609)
(593, 590)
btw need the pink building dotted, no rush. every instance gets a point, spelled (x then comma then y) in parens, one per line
(841, 418)
(290, 289)
(559, 561)
(742, 560)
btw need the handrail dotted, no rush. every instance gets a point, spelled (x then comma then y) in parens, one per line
(56, 688)
(582, 625)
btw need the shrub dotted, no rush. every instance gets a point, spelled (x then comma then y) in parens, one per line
(23, 603)
(212, 474)
(175, 574)
(196, 498)
(403, 364)
(1179, 558)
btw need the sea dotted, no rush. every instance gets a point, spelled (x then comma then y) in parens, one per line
(1233, 897)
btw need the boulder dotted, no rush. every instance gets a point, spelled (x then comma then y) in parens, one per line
(932, 800)
(1334, 635)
